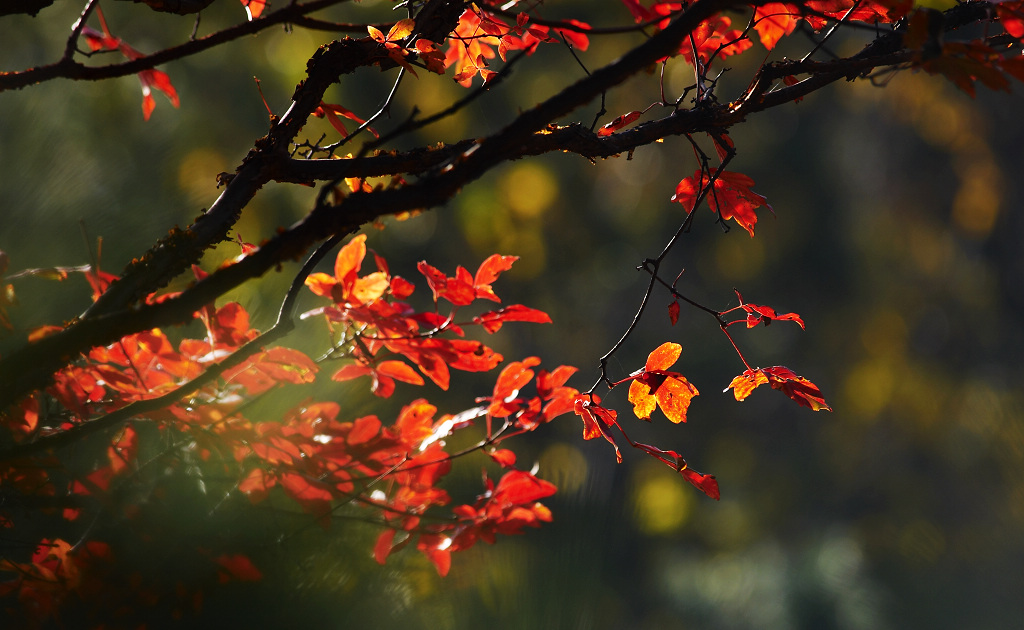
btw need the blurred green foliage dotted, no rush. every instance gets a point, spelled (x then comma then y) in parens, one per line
(897, 238)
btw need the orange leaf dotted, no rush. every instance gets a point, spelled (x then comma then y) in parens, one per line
(401, 29)
(254, 8)
(663, 357)
(401, 371)
(643, 403)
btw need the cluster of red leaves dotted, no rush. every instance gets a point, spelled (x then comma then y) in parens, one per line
(714, 37)
(479, 33)
(370, 318)
(151, 79)
(503, 509)
(309, 456)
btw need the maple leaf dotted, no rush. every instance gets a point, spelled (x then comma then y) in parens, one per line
(730, 196)
(469, 48)
(346, 286)
(713, 37)
(396, 52)
(513, 378)
(488, 272)
(654, 386)
(804, 392)
(774, 20)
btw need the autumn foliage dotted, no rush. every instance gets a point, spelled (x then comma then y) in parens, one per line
(137, 396)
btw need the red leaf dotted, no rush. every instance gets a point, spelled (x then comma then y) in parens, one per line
(504, 457)
(237, 568)
(437, 549)
(350, 372)
(363, 430)
(775, 20)
(155, 79)
(673, 312)
(1011, 16)
(382, 549)
(520, 487)
(575, 38)
(489, 270)
(513, 378)
(548, 383)
(596, 421)
(730, 196)
(493, 320)
(257, 484)
(618, 123)
(705, 483)
(757, 314)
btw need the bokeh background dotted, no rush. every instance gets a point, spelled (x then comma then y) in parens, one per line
(897, 237)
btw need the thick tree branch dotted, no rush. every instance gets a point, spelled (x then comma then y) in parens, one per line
(442, 173)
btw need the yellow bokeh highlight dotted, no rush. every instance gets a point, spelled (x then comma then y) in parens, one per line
(662, 501)
(932, 250)
(976, 203)
(952, 124)
(565, 466)
(884, 334)
(528, 189)
(197, 174)
(940, 5)
(532, 252)
(868, 388)
(288, 52)
(739, 259)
